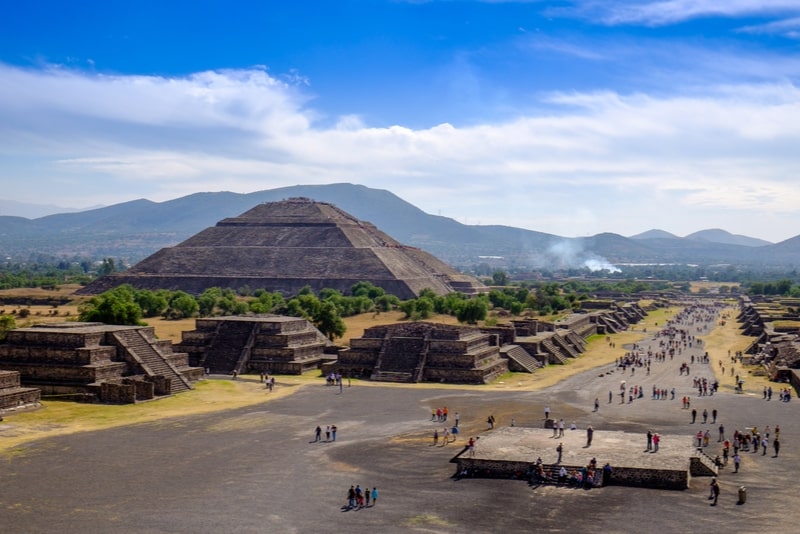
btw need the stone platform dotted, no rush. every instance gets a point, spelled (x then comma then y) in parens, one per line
(506, 452)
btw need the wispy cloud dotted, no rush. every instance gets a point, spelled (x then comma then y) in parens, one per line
(729, 147)
(788, 28)
(661, 12)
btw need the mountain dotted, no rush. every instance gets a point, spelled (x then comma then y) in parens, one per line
(716, 235)
(655, 234)
(133, 230)
(29, 211)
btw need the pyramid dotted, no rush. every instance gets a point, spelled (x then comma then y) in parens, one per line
(284, 246)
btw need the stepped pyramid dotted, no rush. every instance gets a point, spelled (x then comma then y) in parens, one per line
(284, 246)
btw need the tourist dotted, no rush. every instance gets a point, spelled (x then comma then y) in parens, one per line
(764, 445)
(444, 413)
(317, 434)
(547, 412)
(705, 416)
(776, 444)
(367, 495)
(714, 416)
(374, 496)
(656, 441)
(435, 437)
(333, 432)
(328, 433)
(736, 461)
(561, 428)
(694, 415)
(445, 437)
(649, 440)
(589, 435)
(714, 491)
(596, 404)
(433, 414)
(721, 433)
(351, 498)
(560, 451)
(457, 417)
(471, 447)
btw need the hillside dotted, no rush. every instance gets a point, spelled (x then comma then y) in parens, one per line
(135, 229)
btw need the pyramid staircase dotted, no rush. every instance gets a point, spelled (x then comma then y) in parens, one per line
(400, 358)
(577, 341)
(225, 352)
(152, 362)
(555, 354)
(565, 346)
(521, 357)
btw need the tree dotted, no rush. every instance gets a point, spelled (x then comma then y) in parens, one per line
(499, 278)
(473, 310)
(181, 306)
(152, 303)
(7, 323)
(328, 321)
(116, 306)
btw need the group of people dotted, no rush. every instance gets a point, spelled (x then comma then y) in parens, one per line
(358, 498)
(330, 433)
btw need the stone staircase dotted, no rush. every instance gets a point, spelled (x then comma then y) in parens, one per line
(392, 376)
(577, 340)
(150, 360)
(565, 346)
(402, 357)
(555, 354)
(522, 358)
(703, 465)
(225, 350)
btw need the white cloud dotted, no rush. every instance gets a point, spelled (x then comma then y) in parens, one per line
(727, 155)
(661, 12)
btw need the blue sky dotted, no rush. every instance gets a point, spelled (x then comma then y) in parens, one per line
(568, 117)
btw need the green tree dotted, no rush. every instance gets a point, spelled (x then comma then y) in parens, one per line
(7, 323)
(152, 303)
(473, 310)
(116, 306)
(328, 321)
(181, 306)
(499, 278)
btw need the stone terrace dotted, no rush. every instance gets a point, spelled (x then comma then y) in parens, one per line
(505, 451)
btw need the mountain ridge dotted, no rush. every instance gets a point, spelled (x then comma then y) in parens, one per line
(137, 228)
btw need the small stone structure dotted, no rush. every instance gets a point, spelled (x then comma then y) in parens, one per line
(13, 395)
(95, 361)
(272, 344)
(512, 452)
(421, 351)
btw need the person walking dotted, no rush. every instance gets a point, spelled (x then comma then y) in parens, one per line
(435, 437)
(694, 415)
(333, 432)
(776, 444)
(705, 415)
(656, 441)
(559, 450)
(589, 435)
(714, 416)
(596, 404)
(736, 460)
(317, 434)
(714, 491)
(374, 496)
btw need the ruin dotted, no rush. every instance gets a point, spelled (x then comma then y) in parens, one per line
(95, 361)
(414, 352)
(270, 344)
(13, 395)
(420, 351)
(285, 246)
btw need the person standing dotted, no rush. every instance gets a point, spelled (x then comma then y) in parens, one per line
(374, 496)
(328, 433)
(649, 440)
(736, 460)
(714, 416)
(457, 417)
(694, 415)
(435, 437)
(333, 432)
(589, 435)
(367, 496)
(705, 415)
(317, 434)
(560, 428)
(776, 444)
(560, 451)
(721, 433)
(714, 491)
(656, 441)
(596, 404)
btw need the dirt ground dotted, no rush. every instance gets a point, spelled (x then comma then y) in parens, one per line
(232, 457)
